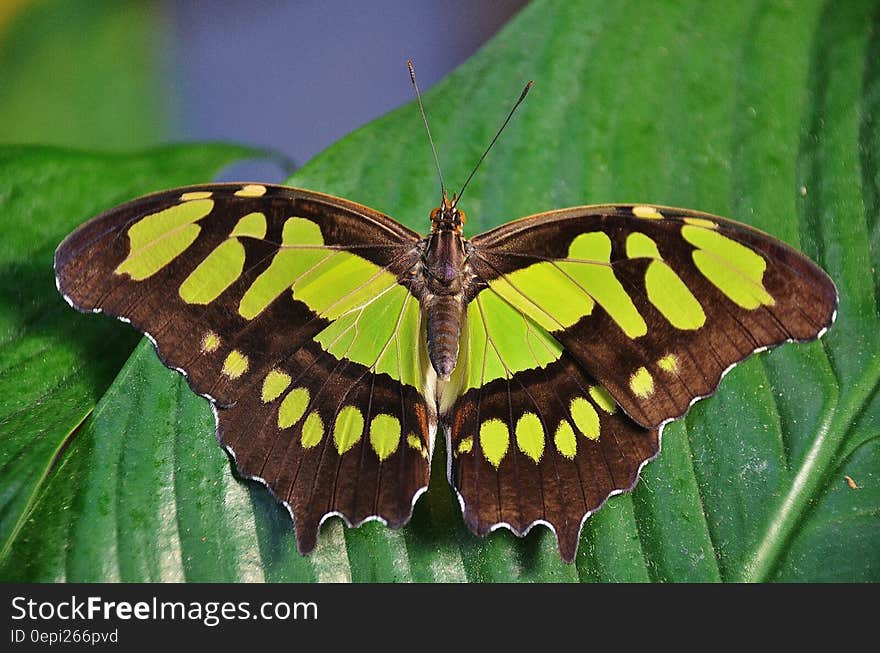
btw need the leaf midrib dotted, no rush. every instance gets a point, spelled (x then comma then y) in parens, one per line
(810, 477)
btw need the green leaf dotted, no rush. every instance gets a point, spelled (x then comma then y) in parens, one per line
(765, 113)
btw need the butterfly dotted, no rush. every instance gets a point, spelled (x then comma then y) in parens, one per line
(334, 343)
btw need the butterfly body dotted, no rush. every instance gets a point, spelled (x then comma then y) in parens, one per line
(442, 283)
(333, 341)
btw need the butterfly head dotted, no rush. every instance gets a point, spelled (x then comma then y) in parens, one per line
(447, 216)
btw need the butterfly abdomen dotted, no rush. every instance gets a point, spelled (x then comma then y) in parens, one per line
(443, 317)
(440, 292)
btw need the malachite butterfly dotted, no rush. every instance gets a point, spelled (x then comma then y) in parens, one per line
(332, 341)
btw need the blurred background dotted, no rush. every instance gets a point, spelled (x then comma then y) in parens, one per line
(291, 76)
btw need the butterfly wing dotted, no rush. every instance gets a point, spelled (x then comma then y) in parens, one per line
(593, 327)
(259, 294)
(656, 302)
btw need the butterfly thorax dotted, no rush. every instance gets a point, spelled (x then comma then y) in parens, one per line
(440, 285)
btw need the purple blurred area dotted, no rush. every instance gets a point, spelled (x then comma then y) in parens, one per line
(297, 76)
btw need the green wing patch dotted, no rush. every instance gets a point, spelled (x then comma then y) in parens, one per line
(499, 340)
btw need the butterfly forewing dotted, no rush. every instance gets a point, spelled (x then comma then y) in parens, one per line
(262, 295)
(655, 303)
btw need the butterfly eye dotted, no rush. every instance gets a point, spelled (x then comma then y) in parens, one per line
(435, 215)
(462, 217)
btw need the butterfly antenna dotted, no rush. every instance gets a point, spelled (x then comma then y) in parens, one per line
(412, 76)
(506, 120)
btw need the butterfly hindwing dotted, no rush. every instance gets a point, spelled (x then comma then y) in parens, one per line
(655, 303)
(353, 442)
(546, 445)
(534, 438)
(260, 295)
